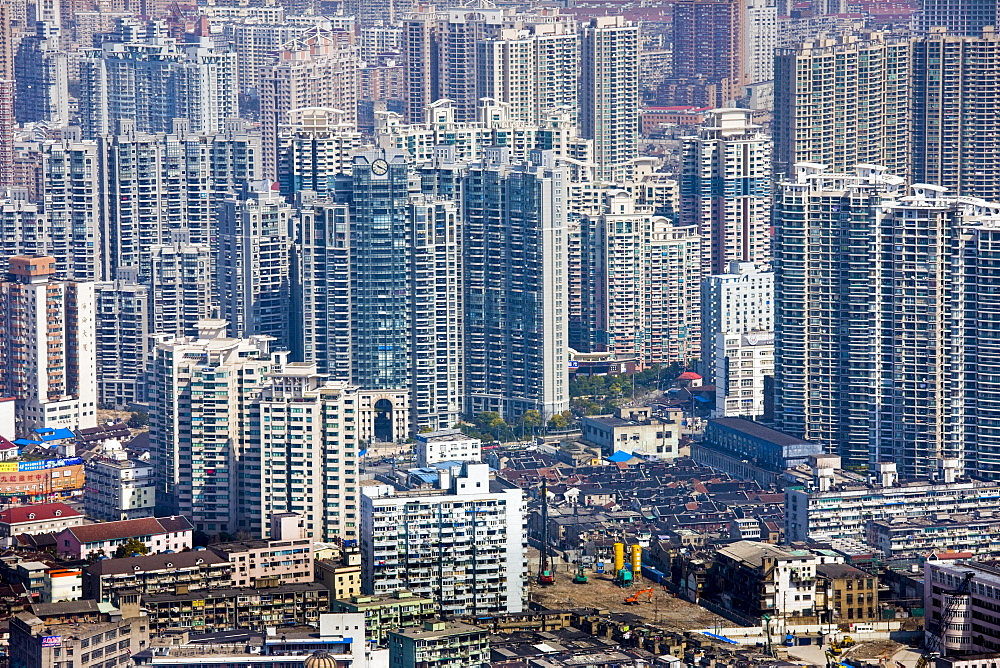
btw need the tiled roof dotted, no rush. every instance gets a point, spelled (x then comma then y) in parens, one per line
(37, 513)
(148, 526)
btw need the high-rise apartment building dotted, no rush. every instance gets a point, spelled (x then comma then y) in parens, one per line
(253, 264)
(725, 189)
(181, 282)
(533, 70)
(308, 432)
(318, 147)
(467, 141)
(238, 434)
(737, 334)
(318, 69)
(461, 544)
(152, 83)
(824, 326)
(200, 392)
(61, 218)
(957, 17)
(165, 188)
(256, 41)
(42, 76)
(439, 51)
(515, 287)
(951, 97)
(643, 299)
(761, 24)
(122, 341)
(609, 93)
(843, 102)
(708, 58)
(47, 352)
(380, 287)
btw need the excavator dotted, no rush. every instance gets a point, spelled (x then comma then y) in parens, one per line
(634, 598)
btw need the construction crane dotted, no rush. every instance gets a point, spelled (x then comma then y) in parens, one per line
(935, 641)
(545, 576)
(634, 598)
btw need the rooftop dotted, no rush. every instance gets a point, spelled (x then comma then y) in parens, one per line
(155, 562)
(38, 513)
(757, 430)
(149, 526)
(438, 630)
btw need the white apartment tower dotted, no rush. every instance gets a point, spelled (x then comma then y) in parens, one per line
(725, 189)
(47, 351)
(609, 93)
(642, 301)
(461, 544)
(153, 83)
(318, 69)
(533, 69)
(740, 301)
(200, 392)
(253, 264)
(761, 40)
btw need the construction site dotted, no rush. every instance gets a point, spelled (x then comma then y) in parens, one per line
(603, 591)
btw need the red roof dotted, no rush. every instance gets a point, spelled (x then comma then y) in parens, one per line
(147, 526)
(689, 375)
(37, 513)
(6, 445)
(952, 555)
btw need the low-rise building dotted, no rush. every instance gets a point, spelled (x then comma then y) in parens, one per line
(834, 504)
(62, 584)
(633, 430)
(847, 595)
(342, 576)
(339, 643)
(158, 534)
(238, 608)
(119, 490)
(175, 573)
(766, 447)
(83, 633)
(752, 579)
(268, 563)
(385, 613)
(921, 536)
(38, 518)
(440, 644)
(447, 445)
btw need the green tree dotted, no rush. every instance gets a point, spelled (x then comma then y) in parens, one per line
(425, 430)
(531, 420)
(561, 421)
(138, 420)
(131, 546)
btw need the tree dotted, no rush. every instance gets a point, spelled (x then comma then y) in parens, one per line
(138, 420)
(131, 547)
(561, 421)
(425, 430)
(530, 421)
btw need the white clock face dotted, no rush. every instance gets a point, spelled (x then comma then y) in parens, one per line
(380, 167)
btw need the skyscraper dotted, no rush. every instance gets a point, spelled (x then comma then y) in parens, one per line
(957, 17)
(843, 102)
(164, 188)
(952, 95)
(644, 300)
(514, 257)
(725, 189)
(317, 69)
(609, 93)
(761, 40)
(253, 263)
(533, 70)
(200, 391)
(42, 75)
(823, 305)
(317, 148)
(708, 60)
(122, 324)
(47, 360)
(154, 82)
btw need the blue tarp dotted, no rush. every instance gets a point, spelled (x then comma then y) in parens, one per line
(48, 434)
(722, 638)
(620, 456)
(24, 441)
